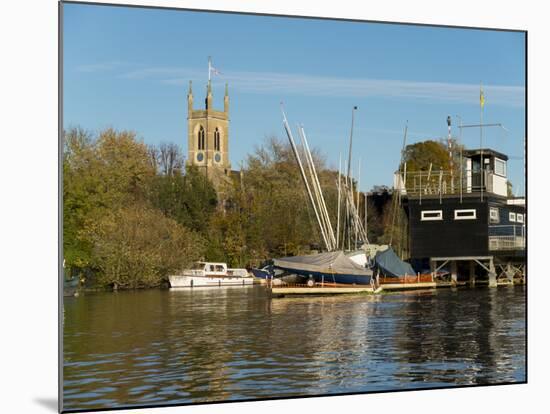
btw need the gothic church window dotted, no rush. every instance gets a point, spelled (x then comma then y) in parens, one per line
(201, 145)
(217, 139)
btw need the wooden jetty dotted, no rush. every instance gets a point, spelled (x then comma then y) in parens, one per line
(333, 289)
(304, 290)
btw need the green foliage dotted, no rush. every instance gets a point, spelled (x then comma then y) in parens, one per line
(107, 182)
(133, 214)
(137, 246)
(420, 155)
(277, 201)
(189, 199)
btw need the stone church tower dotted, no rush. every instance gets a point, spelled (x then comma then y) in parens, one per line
(208, 137)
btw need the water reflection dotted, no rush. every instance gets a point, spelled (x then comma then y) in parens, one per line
(155, 347)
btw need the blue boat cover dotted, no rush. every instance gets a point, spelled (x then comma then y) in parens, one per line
(391, 265)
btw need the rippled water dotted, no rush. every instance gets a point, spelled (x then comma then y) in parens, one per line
(183, 346)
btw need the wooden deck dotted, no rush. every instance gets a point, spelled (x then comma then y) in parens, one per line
(301, 290)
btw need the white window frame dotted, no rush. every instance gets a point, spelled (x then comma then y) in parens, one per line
(498, 160)
(512, 217)
(439, 217)
(494, 219)
(473, 215)
(519, 218)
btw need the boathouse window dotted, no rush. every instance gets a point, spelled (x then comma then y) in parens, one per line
(201, 145)
(519, 218)
(500, 167)
(466, 214)
(494, 217)
(428, 215)
(512, 217)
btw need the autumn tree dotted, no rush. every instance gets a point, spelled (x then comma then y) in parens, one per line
(138, 246)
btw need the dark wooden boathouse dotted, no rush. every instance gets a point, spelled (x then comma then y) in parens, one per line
(465, 221)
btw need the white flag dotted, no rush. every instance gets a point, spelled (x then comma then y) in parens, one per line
(215, 71)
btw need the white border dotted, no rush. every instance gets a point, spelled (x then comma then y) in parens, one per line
(466, 210)
(494, 220)
(29, 209)
(518, 219)
(437, 218)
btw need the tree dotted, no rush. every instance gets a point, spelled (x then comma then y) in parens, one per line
(137, 247)
(170, 159)
(99, 176)
(277, 200)
(509, 189)
(420, 155)
(79, 196)
(189, 199)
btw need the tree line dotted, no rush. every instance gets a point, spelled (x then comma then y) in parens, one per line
(135, 213)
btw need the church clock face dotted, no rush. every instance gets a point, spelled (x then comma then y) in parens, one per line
(217, 157)
(200, 157)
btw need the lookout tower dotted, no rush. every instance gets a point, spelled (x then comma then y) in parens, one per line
(208, 136)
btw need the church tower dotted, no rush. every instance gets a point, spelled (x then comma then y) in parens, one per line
(208, 136)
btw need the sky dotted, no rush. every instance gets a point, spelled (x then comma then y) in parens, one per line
(129, 68)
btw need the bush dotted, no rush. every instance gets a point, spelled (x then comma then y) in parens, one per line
(137, 247)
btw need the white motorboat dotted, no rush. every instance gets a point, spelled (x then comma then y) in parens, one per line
(205, 274)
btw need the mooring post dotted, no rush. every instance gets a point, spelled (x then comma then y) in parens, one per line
(472, 273)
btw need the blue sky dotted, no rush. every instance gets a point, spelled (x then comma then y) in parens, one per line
(129, 68)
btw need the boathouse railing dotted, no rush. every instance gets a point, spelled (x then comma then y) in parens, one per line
(507, 237)
(442, 183)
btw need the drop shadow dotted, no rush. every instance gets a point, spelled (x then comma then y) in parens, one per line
(49, 403)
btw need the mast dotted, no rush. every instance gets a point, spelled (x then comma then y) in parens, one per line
(318, 190)
(304, 178)
(339, 196)
(395, 196)
(351, 139)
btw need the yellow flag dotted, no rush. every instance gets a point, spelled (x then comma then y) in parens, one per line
(481, 97)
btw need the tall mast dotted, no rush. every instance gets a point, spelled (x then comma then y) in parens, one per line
(339, 196)
(304, 178)
(351, 139)
(318, 190)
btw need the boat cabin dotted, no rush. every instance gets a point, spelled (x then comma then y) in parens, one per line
(211, 268)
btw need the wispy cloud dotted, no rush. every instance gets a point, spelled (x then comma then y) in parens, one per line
(314, 85)
(100, 67)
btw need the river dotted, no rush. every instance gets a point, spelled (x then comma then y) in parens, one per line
(160, 347)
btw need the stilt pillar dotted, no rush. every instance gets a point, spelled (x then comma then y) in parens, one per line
(492, 274)
(454, 276)
(510, 273)
(472, 273)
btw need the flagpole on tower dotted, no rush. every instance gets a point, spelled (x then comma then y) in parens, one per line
(209, 67)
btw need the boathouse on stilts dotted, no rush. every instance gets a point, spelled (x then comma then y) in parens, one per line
(463, 227)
